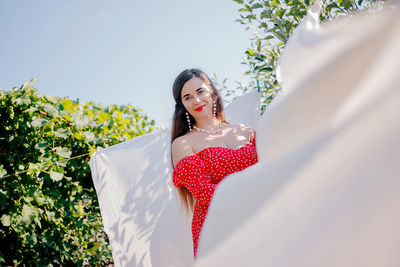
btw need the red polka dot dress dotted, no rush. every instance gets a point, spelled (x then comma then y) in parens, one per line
(201, 172)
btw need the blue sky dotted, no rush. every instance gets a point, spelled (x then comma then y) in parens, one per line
(119, 52)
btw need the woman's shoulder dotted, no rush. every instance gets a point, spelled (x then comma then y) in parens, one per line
(240, 128)
(181, 147)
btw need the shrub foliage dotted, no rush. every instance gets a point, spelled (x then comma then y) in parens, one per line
(272, 23)
(48, 206)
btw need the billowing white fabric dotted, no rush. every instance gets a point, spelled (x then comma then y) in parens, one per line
(325, 191)
(244, 109)
(141, 212)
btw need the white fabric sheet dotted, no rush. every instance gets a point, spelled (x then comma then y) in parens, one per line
(326, 190)
(141, 210)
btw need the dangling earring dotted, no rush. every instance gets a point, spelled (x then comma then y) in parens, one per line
(215, 108)
(188, 120)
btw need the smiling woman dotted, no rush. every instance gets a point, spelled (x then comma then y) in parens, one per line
(205, 147)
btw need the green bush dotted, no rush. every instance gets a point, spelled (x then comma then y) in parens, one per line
(48, 206)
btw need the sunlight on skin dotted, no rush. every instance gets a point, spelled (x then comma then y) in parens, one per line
(227, 138)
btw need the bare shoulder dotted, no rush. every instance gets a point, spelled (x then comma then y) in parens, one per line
(242, 129)
(181, 147)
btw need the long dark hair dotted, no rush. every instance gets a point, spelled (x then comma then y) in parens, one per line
(179, 123)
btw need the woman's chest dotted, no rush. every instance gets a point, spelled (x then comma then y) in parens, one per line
(221, 162)
(229, 140)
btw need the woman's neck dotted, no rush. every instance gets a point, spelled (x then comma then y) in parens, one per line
(209, 125)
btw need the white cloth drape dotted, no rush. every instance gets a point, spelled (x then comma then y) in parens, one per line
(141, 211)
(326, 190)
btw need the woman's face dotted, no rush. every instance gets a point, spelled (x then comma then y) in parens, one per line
(197, 98)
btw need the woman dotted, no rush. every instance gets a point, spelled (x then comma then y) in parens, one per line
(205, 148)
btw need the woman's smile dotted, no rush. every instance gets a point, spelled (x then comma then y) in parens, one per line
(200, 108)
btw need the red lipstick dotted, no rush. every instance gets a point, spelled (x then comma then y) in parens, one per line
(200, 108)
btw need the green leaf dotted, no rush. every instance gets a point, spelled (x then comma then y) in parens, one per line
(265, 69)
(62, 133)
(62, 163)
(92, 247)
(256, 5)
(3, 193)
(90, 137)
(250, 52)
(32, 238)
(265, 14)
(6, 220)
(80, 120)
(39, 122)
(23, 100)
(51, 98)
(250, 17)
(50, 110)
(67, 104)
(3, 172)
(40, 200)
(279, 36)
(239, 1)
(27, 215)
(259, 56)
(34, 168)
(42, 145)
(288, 27)
(63, 152)
(264, 25)
(347, 4)
(279, 13)
(56, 176)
